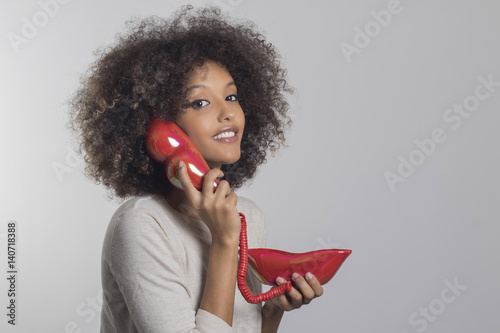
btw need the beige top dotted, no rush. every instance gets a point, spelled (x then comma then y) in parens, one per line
(154, 265)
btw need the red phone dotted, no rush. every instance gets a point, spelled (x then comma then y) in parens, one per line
(168, 144)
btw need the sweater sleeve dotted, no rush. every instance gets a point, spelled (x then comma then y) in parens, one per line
(147, 264)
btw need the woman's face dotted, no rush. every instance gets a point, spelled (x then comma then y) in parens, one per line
(212, 116)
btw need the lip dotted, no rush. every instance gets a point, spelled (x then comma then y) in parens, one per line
(234, 138)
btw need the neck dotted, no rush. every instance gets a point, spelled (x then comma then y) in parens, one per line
(178, 200)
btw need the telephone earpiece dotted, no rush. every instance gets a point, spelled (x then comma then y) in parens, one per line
(168, 144)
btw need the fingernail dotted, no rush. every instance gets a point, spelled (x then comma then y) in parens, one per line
(180, 165)
(309, 276)
(280, 280)
(295, 275)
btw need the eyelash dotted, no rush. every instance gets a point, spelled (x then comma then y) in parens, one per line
(194, 104)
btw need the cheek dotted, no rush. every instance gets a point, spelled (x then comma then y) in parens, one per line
(190, 126)
(243, 125)
(200, 136)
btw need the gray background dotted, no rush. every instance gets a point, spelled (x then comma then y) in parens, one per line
(354, 119)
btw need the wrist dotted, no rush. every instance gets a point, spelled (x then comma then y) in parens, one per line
(225, 248)
(272, 310)
(271, 317)
(219, 292)
(225, 241)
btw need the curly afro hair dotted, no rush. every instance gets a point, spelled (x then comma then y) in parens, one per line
(143, 76)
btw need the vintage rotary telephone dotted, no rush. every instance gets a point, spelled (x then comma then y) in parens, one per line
(168, 144)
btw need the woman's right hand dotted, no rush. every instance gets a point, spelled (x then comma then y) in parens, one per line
(216, 208)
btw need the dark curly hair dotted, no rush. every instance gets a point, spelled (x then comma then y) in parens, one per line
(144, 76)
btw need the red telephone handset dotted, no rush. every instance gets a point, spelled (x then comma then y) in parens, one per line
(168, 144)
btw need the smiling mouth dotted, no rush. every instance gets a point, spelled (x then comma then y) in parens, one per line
(228, 134)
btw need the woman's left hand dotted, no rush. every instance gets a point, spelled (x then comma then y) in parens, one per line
(305, 290)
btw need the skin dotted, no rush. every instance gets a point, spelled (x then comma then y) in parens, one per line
(212, 105)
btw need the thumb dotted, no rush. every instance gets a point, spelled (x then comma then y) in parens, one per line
(186, 183)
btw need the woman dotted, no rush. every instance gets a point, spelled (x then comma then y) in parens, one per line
(170, 256)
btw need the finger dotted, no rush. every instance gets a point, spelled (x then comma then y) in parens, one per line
(223, 189)
(295, 298)
(186, 183)
(315, 284)
(209, 180)
(282, 300)
(292, 299)
(232, 199)
(305, 289)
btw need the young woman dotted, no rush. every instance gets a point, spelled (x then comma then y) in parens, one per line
(170, 256)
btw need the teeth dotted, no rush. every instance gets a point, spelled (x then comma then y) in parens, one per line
(223, 135)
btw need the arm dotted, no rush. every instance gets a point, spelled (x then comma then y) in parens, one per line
(145, 286)
(218, 296)
(271, 317)
(218, 211)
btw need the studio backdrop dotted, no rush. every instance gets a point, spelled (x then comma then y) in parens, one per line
(393, 153)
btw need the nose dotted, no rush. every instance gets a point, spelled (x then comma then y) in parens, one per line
(226, 112)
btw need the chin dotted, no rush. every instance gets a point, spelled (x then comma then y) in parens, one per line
(226, 161)
(234, 160)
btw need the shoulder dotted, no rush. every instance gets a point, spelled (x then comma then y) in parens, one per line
(141, 223)
(142, 247)
(249, 208)
(151, 204)
(136, 214)
(256, 222)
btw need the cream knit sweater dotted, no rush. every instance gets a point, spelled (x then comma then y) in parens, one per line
(154, 265)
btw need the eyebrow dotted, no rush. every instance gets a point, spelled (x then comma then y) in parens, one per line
(201, 86)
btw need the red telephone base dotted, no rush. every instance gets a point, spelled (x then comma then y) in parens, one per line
(268, 264)
(168, 144)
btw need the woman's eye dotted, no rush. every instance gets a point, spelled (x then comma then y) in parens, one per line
(232, 98)
(199, 103)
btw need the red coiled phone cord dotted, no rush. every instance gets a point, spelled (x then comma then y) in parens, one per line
(242, 272)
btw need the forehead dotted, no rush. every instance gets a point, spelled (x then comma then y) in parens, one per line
(209, 70)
